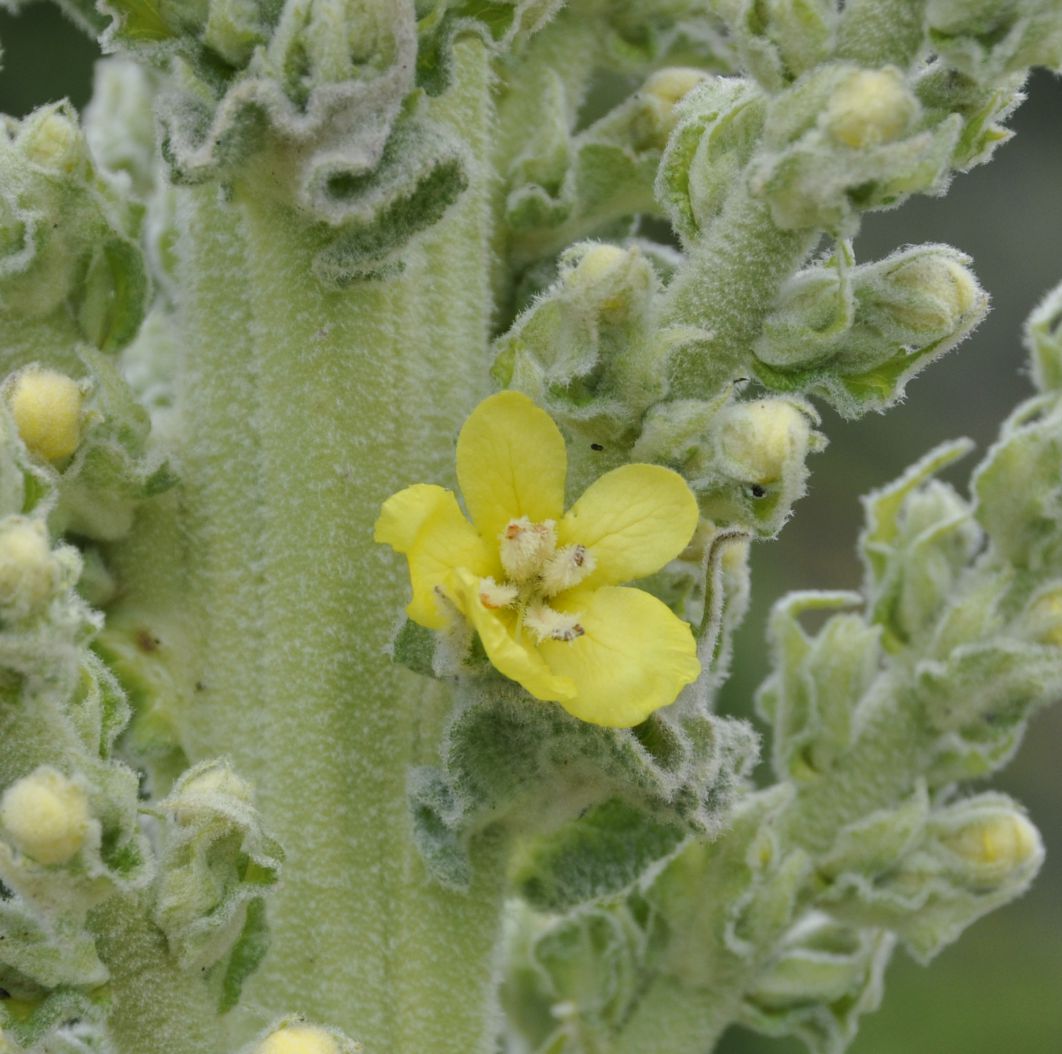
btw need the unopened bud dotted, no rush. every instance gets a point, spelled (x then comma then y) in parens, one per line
(46, 407)
(996, 845)
(46, 816)
(1045, 616)
(53, 141)
(870, 107)
(299, 1039)
(936, 292)
(28, 572)
(596, 263)
(1043, 338)
(664, 90)
(200, 792)
(761, 436)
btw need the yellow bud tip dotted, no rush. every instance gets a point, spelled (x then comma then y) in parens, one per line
(1007, 841)
(869, 108)
(27, 571)
(666, 89)
(46, 407)
(52, 142)
(199, 794)
(598, 261)
(1047, 611)
(299, 1039)
(46, 816)
(672, 85)
(760, 436)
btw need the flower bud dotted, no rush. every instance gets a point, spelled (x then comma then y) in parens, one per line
(1043, 338)
(46, 816)
(1045, 617)
(663, 91)
(870, 107)
(931, 292)
(203, 791)
(761, 436)
(28, 571)
(53, 141)
(995, 845)
(596, 263)
(299, 1039)
(46, 406)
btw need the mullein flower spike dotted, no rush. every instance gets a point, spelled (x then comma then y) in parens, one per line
(540, 585)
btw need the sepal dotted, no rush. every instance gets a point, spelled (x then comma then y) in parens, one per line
(818, 683)
(114, 468)
(587, 350)
(532, 770)
(779, 40)
(920, 536)
(573, 980)
(1043, 339)
(64, 1021)
(819, 982)
(500, 23)
(216, 864)
(577, 183)
(1017, 489)
(718, 129)
(988, 40)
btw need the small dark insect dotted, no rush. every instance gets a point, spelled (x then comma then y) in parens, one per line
(147, 642)
(596, 446)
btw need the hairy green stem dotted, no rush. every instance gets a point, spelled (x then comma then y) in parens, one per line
(727, 287)
(304, 407)
(880, 32)
(166, 1010)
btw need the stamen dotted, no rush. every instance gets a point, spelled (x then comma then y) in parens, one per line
(494, 595)
(548, 624)
(568, 567)
(526, 547)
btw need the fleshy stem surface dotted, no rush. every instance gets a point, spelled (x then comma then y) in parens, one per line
(730, 281)
(304, 407)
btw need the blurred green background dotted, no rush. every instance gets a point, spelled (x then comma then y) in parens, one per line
(1000, 987)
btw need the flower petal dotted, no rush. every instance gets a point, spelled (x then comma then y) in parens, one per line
(635, 656)
(519, 660)
(633, 520)
(511, 462)
(404, 513)
(445, 541)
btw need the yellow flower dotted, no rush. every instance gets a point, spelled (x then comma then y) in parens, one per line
(541, 585)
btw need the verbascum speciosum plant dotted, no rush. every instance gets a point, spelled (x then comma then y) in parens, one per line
(252, 299)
